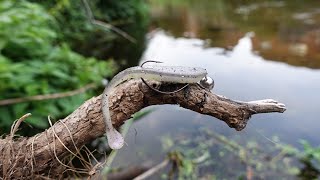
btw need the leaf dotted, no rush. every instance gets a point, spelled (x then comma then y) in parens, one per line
(20, 108)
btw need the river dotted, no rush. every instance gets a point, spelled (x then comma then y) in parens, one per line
(253, 50)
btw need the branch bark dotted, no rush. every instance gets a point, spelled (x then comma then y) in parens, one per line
(41, 154)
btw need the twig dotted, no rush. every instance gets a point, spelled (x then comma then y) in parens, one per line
(80, 157)
(55, 134)
(105, 25)
(16, 125)
(77, 170)
(249, 173)
(33, 160)
(47, 96)
(153, 170)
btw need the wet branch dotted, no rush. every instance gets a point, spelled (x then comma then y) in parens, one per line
(44, 152)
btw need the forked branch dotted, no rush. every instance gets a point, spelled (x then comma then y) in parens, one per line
(41, 153)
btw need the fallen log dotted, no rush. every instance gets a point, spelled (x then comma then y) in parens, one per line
(42, 154)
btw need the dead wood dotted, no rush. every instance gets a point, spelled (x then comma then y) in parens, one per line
(42, 154)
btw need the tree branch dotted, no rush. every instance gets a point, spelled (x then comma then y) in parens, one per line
(86, 123)
(47, 96)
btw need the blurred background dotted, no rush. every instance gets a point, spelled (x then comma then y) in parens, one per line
(253, 49)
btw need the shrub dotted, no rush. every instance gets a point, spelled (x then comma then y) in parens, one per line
(33, 63)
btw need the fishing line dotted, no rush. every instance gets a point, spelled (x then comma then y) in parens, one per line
(255, 129)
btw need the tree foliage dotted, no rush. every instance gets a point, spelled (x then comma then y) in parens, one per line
(33, 60)
(83, 37)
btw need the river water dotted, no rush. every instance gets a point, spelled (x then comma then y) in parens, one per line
(253, 51)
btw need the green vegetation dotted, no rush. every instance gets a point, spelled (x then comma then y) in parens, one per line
(33, 63)
(75, 28)
(47, 47)
(214, 156)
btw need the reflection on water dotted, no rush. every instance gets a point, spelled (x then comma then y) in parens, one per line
(243, 75)
(239, 74)
(287, 31)
(253, 51)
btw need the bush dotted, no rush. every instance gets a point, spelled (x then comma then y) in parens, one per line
(32, 63)
(75, 28)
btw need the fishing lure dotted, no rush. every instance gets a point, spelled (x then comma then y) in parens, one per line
(174, 74)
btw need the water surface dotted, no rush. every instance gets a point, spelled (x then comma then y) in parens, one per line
(253, 51)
